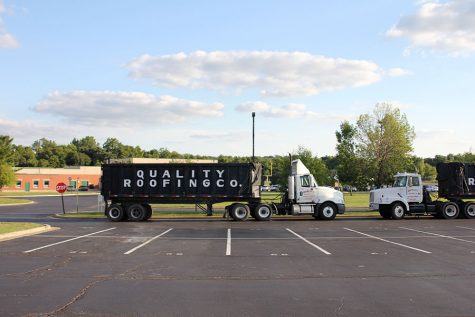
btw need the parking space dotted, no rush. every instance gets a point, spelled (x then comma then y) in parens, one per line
(280, 239)
(373, 255)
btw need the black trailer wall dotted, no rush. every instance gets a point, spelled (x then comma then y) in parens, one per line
(456, 180)
(181, 180)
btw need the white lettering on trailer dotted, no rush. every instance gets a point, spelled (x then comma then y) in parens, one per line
(140, 174)
(166, 182)
(166, 174)
(220, 183)
(192, 173)
(140, 183)
(193, 183)
(471, 181)
(220, 174)
(153, 173)
(206, 173)
(153, 183)
(179, 183)
(206, 183)
(178, 174)
(127, 183)
(233, 183)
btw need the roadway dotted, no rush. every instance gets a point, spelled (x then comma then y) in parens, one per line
(301, 267)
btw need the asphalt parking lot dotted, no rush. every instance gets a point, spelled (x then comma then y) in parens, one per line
(301, 267)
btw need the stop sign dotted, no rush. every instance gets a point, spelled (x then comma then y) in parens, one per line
(61, 187)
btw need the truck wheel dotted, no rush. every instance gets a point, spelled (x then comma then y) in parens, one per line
(239, 212)
(115, 213)
(149, 212)
(469, 210)
(397, 211)
(449, 210)
(136, 212)
(327, 211)
(263, 212)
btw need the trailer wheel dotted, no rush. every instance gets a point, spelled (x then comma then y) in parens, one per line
(469, 210)
(263, 212)
(115, 213)
(449, 210)
(327, 211)
(239, 212)
(136, 212)
(397, 211)
(149, 212)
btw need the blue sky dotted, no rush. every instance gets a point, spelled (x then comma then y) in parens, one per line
(186, 75)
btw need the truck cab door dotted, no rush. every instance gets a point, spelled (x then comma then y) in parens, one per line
(306, 190)
(414, 190)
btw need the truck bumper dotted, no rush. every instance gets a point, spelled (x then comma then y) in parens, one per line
(341, 208)
(374, 206)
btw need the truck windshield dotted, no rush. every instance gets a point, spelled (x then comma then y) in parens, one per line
(400, 181)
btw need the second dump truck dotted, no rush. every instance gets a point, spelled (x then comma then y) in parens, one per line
(130, 189)
(408, 197)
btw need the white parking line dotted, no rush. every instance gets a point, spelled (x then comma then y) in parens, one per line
(228, 243)
(465, 228)
(147, 242)
(438, 235)
(312, 244)
(53, 244)
(381, 239)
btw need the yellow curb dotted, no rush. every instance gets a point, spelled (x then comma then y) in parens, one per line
(25, 233)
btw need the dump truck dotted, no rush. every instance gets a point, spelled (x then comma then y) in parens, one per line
(129, 190)
(456, 183)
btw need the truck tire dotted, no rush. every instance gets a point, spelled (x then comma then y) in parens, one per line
(115, 213)
(397, 211)
(469, 210)
(239, 212)
(263, 212)
(327, 211)
(136, 212)
(449, 210)
(149, 212)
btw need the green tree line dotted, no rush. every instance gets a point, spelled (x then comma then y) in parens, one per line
(369, 152)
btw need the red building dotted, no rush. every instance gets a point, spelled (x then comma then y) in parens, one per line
(45, 179)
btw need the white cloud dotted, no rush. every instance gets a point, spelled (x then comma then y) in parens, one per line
(271, 73)
(28, 131)
(439, 27)
(397, 72)
(123, 109)
(290, 111)
(223, 136)
(7, 40)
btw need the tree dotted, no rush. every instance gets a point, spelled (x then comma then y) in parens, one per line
(386, 139)
(351, 167)
(281, 167)
(89, 146)
(7, 175)
(6, 149)
(24, 156)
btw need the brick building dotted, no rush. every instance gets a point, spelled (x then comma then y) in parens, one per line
(45, 179)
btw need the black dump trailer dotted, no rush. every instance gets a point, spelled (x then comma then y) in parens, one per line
(130, 189)
(456, 180)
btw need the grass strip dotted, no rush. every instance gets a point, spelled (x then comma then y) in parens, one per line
(12, 201)
(8, 227)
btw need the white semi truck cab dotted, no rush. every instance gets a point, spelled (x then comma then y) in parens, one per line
(409, 197)
(306, 197)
